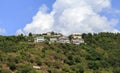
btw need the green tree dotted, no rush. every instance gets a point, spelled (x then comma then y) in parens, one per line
(30, 34)
(79, 68)
(93, 65)
(12, 66)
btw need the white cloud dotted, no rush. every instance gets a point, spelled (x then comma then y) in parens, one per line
(42, 22)
(68, 16)
(2, 31)
(19, 32)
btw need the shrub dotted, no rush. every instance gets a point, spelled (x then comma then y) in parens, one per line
(116, 70)
(93, 65)
(5, 71)
(26, 69)
(12, 66)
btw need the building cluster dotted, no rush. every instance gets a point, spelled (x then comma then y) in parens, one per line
(51, 37)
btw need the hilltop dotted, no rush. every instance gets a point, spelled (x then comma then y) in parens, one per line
(99, 54)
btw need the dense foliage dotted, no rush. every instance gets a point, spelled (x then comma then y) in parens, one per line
(99, 54)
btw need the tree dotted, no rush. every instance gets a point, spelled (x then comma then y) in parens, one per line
(12, 66)
(93, 65)
(79, 69)
(30, 34)
(20, 37)
(78, 59)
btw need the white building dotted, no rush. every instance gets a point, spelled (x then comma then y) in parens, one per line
(39, 39)
(77, 35)
(77, 41)
(64, 40)
(52, 40)
(77, 38)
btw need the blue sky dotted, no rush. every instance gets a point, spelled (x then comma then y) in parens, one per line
(116, 5)
(15, 14)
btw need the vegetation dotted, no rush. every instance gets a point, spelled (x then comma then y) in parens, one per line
(99, 54)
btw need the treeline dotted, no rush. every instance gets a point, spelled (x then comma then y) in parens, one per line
(99, 54)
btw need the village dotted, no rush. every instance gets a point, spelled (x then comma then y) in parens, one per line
(52, 37)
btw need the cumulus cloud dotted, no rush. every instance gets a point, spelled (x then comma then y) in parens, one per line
(42, 22)
(68, 16)
(19, 32)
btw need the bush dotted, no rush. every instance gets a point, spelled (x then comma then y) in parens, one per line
(78, 59)
(5, 71)
(80, 69)
(116, 70)
(12, 66)
(39, 62)
(93, 65)
(26, 69)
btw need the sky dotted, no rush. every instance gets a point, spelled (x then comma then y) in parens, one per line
(65, 16)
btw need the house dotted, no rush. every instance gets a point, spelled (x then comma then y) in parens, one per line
(77, 41)
(52, 40)
(64, 39)
(46, 34)
(76, 34)
(76, 38)
(58, 35)
(39, 39)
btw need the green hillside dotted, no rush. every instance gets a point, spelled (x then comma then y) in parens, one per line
(99, 54)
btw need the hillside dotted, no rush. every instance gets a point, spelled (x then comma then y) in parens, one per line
(99, 54)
